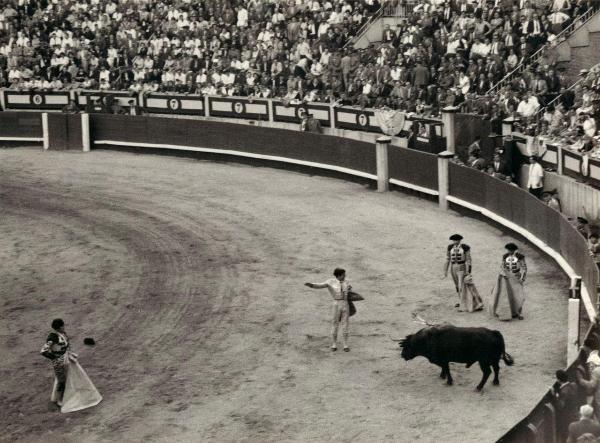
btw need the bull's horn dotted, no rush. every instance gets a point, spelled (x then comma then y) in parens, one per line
(400, 340)
(418, 319)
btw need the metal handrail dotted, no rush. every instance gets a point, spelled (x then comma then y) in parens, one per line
(402, 9)
(363, 28)
(555, 99)
(560, 37)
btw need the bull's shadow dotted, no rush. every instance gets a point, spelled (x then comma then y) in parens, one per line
(442, 344)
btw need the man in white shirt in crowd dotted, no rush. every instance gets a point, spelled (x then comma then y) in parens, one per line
(528, 106)
(209, 89)
(396, 73)
(557, 18)
(589, 125)
(228, 78)
(14, 75)
(535, 180)
(104, 85)
(242, 17)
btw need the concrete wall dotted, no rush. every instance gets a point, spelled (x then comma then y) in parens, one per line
(581, 50)
(577, 199)
(583, 57)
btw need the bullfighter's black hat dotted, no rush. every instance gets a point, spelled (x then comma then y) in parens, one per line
(511, 247)
(582, 220)
(456, 237)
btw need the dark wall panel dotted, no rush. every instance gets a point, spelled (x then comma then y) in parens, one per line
(20, 124)
(414, 167)
(64, 132)
(57, 131)
(74, 140)
(317, 148)
(467, 184)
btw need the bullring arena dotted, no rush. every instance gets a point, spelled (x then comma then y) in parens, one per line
(177, 176)
(189, 275)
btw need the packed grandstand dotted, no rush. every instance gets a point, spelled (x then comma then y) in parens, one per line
(441, 53)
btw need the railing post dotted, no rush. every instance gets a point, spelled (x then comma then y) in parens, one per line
(533, 432)
(573, 330)
(508, 126)
(85, 132)
(383, 171)
(45, 133)
(573, 319)
(559, 162)
(550, 427)
(140, 102)
(206, 108)
(449, 121)
(270, 110)
(444, 178)
(575, 289)
(331, 117)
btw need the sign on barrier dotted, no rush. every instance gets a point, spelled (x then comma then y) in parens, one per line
(238, 107)
(232, 107)
(572, 163)
(594, 172)
(173, 104)
(428, 135)
(123, 98)
(549, 158)
(293, 112)
(355, 119)
(38, 100)
(408, 124)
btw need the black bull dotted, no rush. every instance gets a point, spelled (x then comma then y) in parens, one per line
(446, 343)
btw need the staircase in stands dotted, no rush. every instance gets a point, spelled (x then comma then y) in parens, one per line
(372, 30)
(576, 47)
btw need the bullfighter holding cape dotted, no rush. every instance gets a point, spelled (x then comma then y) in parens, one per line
(458, 262)
(471, 301)
(508, 294)
(343, 306)
(73, 390)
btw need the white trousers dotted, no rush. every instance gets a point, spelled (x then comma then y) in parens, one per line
(340, 313)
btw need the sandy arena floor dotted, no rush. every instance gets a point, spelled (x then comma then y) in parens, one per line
(189, 275)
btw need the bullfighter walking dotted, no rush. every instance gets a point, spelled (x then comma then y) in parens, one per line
(508, 294)
(458, 260)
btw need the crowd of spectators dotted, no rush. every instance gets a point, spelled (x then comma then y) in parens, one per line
(568, 119)
(227, 47)
(571, 121)
(577, 395)
(443, 53)
(446, 52)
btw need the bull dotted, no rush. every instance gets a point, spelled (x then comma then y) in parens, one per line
(442, 344)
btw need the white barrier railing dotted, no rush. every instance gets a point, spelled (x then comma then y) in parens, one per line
(249, 108)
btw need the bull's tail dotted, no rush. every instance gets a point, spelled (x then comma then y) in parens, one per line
(505, 355)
